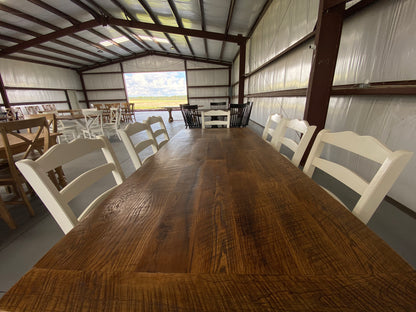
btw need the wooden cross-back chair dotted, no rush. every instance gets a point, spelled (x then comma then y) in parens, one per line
(17, 141)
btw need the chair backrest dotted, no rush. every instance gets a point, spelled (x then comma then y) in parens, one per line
(49, 107)
(50, 119)
(190, 115)
(300, 128)
(237, 114)
(10, 114)
(158, 129)
(35, 172)
(32, 110)
(215, 122)
(136, 138)
(273, 128)
(93, 120)
(247, 113)
(218, 103)
(18, 112)
(372, 192)
(115, 116)
(98, 106)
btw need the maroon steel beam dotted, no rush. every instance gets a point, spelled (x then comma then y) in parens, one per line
(358, 7)
(124, 81)
(3, 93)
(132, 17)
(116, 61)
(156, 20)
(242, 69)
(50, 36)
(17, 58)
(327, 41)
(15, 40)
(53, 27)
(332, 3)
(179, 22)
(59, 42)
(135, 40)
(176, 30)
(203, 24)
(187, 83)
(74, 21)
(228, 24)
(84, 90)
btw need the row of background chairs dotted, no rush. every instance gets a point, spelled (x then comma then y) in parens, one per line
(372, 191)
(56, 201)
(239, 115)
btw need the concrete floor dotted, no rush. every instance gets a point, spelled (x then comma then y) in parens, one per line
(22, 248)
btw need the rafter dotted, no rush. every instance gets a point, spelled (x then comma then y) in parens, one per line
(137, 42)
(59, 42)
(203, 25)
(74, 21)
(15, 40)
(179, 22)
(53, 27)
(157, 53)
(128, 14)
(156, 20)
(227, 27)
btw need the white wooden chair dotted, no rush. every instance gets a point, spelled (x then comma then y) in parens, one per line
(372, 192)
(159, 132)
(143, 138)
(93, 122)
(299, 128)
(113, 125)
(215, 122)
(35, 172)
(273, 129)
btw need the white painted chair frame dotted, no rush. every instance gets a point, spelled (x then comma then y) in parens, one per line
(134, 149)
(373, 192)
(93, 122)
(35, 172)
(113, 125)
(215, 113)
(301, 127)
(273, 128)
(158, 132)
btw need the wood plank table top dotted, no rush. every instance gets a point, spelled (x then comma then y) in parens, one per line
(218, 220)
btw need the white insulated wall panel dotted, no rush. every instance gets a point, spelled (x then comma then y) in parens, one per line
(208, 77)
(153, 63)
(103, 81)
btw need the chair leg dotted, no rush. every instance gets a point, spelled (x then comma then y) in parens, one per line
(23, 196)
(5, 215)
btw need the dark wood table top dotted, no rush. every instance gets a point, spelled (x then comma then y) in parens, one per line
(218, 220)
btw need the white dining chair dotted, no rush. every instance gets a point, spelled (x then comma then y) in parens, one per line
(273, 128)
(137, 137)
(158, 129)
(371, 192)
(93, 122)
(286, 137)
(56, 201)
(113, 125)
(224, 121)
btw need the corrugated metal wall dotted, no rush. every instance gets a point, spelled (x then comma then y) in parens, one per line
(376, 46)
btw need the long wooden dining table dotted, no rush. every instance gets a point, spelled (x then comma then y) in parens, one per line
(217, 220)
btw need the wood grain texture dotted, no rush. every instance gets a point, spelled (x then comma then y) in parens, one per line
(218, 220)
(68, 291)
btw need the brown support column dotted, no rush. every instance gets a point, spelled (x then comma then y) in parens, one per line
(84, 90)
(4, 94)
(124, 81)
(242, 70)
(187, 84)
(67, 99)
(327, 39)
(230, 88)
